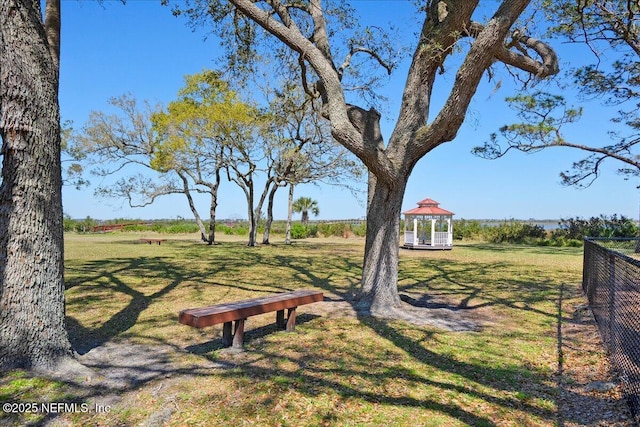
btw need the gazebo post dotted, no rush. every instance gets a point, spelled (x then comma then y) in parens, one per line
(433, 232)
(415, 231)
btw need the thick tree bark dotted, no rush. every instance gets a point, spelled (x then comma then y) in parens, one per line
(32, 323)
(52, 27)
(213, 207)
(379, 293)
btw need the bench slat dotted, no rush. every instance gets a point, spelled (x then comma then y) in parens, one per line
(221, 313)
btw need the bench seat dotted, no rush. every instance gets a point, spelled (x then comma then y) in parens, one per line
(239, 311)
(150, 241)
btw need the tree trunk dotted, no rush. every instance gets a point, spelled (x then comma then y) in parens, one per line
(213, 207)
(287, 238)
(253, 232)
(267, 226)
(192, 206)
(32, 305)
(253, 221)
(212, 219)
(379, 293)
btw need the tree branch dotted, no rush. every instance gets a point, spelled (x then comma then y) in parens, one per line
(52, 28)
(545, 67)
(371, 53)
(481, 54)
(319, 57)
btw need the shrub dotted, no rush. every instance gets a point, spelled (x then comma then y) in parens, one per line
(182, 227)
(602, 226)
(334, 229)
(513, 232)
(360, 230)
(301, 231)
(564, 242)
(236, 230)
(463, 229)
(79, 226)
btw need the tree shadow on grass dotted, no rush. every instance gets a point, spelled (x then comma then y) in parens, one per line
(521, 248)
(461, 283)
(251, 336)
(355, 374)
(471, 286)
(109, 278)
(96, 283)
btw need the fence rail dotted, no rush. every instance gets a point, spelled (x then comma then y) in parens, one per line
(611, 282)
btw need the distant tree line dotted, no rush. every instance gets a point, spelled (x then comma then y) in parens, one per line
(239, 228)
(570, 231)
(601, 226)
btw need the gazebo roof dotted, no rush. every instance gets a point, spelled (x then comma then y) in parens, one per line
(428, 207)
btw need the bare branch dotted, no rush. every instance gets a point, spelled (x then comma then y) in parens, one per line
(372, 53)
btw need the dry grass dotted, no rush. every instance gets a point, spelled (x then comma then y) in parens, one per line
(335, 369)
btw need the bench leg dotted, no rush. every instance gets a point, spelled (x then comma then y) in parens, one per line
(226, 334)
(238, 335)
(280, 319)
(291, 319)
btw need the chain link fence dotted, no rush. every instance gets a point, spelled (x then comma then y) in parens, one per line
(611, 282)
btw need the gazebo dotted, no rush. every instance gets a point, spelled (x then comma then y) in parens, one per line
(428, 227)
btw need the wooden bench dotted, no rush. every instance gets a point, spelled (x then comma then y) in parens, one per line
(150, 241)
(239, 311)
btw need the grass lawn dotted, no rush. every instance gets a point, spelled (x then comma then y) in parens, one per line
(526, 364)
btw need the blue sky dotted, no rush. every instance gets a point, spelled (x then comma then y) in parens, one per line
(140, 48)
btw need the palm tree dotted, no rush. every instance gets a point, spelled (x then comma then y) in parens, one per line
(304, 205)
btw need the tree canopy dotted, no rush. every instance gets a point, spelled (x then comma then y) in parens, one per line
(194, 135)
(610, 30)
(210, 132)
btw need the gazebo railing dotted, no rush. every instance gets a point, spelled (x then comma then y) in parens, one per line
(440, 238)
(408, 238)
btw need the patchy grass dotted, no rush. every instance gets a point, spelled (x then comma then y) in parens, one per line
(341, 371)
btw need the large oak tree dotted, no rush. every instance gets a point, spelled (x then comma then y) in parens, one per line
(32, 323)
(307, 30)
